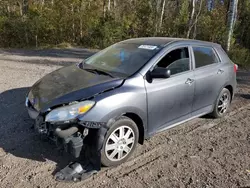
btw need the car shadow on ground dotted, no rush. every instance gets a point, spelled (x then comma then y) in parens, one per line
(241, 95)
(17, 135)
(245, 96)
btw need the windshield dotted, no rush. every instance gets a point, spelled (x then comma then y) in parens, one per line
(122, 58)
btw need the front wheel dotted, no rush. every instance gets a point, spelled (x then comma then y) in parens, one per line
(222, 103)
(120, 142)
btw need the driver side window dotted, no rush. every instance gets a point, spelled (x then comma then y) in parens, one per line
(176, 61)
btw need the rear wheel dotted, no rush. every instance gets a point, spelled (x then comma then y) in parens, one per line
(120, 142)
(222, 103)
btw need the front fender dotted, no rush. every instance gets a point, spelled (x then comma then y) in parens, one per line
(129, 109)
(117, 102)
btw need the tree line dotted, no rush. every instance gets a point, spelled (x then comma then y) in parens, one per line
(99, 23)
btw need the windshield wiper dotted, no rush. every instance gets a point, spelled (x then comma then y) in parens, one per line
(99, 72)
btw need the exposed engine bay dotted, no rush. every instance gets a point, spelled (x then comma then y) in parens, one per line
(67, 136)
(82, 142)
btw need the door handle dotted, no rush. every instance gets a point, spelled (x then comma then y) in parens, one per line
(189, 81)
(220, 71)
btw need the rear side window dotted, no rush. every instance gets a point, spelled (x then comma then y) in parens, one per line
(204, 56)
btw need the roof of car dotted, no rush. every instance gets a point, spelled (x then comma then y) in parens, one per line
(163, 41)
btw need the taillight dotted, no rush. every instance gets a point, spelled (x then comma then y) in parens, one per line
(235, 68)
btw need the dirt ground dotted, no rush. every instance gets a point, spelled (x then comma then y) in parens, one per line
(201, 153)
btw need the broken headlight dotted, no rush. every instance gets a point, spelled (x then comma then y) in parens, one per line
(69, 112)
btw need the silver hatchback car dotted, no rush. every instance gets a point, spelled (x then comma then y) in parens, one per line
(130, 91)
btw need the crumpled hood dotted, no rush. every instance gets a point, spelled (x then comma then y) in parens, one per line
(68, 84)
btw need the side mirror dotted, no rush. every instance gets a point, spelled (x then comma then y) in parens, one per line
(160, 72)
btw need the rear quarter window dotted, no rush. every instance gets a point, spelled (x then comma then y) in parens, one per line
(204, 56)
(223, 55)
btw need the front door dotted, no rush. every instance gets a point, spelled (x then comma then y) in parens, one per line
(171, 98)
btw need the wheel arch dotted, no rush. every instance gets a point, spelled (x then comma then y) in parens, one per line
(138, 121)
(228, 86)
(231, 90)
(137, 118)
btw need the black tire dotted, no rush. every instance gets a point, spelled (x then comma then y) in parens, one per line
(123, 121)
(216, 111)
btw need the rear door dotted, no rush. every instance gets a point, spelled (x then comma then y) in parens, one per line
(209, 80)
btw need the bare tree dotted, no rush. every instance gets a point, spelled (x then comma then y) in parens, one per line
(20, 8)
(232, 14)
(73, 22)
(104, 8)
(196, 19)
(193, 21)
(25, 6)
(191, 18)
(80, 10)
(162, 13)
(109, 4)
(157, 10)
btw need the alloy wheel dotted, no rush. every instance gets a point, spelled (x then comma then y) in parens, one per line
(119, 143)
(223, 103)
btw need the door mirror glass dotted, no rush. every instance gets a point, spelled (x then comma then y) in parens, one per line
(160, 72)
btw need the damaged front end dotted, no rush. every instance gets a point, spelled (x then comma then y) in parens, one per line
(59, 103)
(82, 139)
(67, 136)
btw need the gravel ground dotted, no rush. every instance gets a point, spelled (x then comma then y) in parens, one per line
(200, 153)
